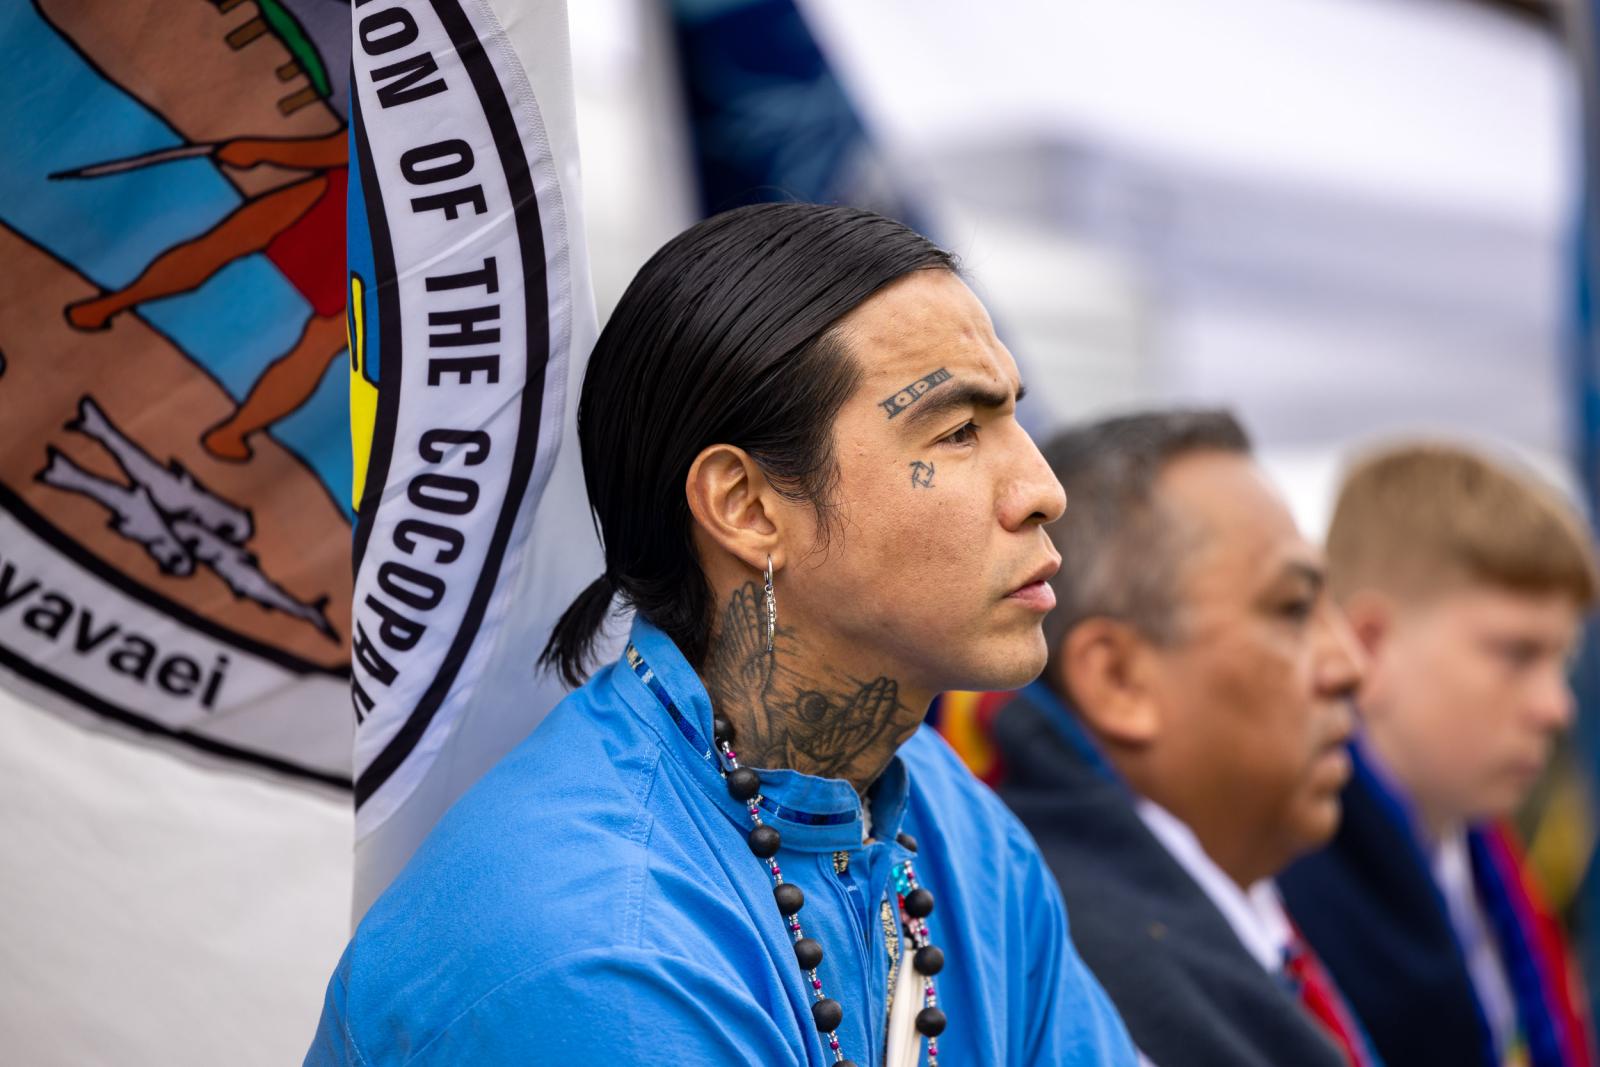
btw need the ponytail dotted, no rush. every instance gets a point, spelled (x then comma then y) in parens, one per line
(572, 641)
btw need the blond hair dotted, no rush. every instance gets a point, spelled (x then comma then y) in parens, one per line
(1416, 519)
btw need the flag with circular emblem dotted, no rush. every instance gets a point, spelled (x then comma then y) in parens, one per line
(211, 398)
(174, 472)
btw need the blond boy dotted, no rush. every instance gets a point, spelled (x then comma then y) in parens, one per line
(1466, 580)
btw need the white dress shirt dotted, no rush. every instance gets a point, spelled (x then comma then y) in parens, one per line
(1257, 916)
(1452, 872)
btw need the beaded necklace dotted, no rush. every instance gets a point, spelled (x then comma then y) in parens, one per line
(915, 903)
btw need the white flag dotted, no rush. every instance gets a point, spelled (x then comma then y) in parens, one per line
(472, 317)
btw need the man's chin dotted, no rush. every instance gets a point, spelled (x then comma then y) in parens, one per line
(1009, 663)
(1505, 799)
(1318, 822)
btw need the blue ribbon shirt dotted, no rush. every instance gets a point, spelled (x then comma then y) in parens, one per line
(592, 900)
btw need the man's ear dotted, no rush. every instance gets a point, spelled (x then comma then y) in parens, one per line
(1107, 668)
(735, 507)
(1371, 615)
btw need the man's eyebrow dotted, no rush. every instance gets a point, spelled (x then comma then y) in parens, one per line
(1310, 573)
(956, 396)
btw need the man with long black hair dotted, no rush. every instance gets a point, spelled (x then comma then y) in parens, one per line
(737, 844)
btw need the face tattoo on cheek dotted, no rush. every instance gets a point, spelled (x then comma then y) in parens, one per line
(921, 474)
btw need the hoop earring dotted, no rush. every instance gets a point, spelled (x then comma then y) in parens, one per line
(772, 606)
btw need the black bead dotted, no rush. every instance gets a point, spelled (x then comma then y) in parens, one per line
(743, 783)
(845, 1063)
(929, 960)
(764, 841)
(809, 953)
(829, 1015)
(722, 729)
(919, 903)
(907, 842)
(790, 898)
(930, 1022)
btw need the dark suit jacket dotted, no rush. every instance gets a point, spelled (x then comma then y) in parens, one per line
(1190, 992)
(1368, 905)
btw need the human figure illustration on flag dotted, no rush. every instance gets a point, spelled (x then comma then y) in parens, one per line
(296, 226)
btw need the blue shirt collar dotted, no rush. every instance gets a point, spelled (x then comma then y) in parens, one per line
(812, 813)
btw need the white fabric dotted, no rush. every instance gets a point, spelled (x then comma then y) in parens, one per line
(905, 1044)
(1257, 915)
(158, 911)
(1452, 872)
(1317, 216)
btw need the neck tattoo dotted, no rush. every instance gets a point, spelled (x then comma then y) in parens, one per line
(915, 901)
(796, 715)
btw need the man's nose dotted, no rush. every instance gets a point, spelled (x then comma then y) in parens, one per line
(1341, 663)
(1551, 703)
(1037, 496)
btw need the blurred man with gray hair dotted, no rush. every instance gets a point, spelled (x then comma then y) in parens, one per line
(1187, 741)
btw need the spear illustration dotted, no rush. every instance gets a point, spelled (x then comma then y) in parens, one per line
(143, 159)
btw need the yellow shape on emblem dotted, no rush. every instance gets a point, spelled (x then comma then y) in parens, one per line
(363, 391)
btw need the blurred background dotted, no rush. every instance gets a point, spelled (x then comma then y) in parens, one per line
(1347, 220)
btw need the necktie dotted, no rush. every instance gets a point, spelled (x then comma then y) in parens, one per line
(1323, 1001)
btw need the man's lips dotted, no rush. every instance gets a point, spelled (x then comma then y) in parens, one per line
(1333, 758)
(1335, 762)
(1035, 592)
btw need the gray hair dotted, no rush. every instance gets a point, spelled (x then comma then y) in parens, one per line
(1121, 548)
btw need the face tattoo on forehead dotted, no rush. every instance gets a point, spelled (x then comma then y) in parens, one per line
(894, 405)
